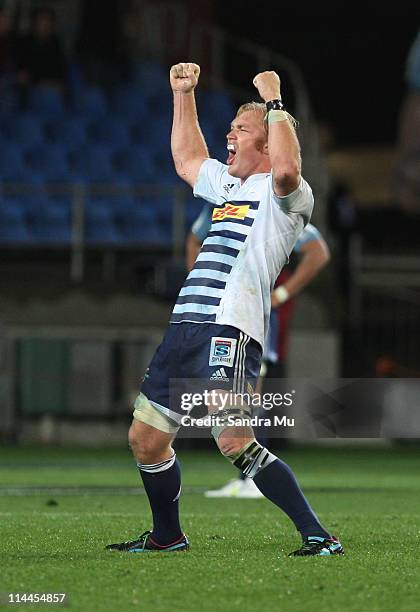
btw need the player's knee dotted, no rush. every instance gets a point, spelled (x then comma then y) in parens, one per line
(231, 445)
(147, 443)
(143, 450)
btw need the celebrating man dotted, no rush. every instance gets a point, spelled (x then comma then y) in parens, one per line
(219, 322)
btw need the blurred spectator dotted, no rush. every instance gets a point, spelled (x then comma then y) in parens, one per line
(99, 44)
(41, 59)
(342, 221)
(407, 167)
(7, 63)
(7, 45)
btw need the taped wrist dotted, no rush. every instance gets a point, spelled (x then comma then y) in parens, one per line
(281, 294)
(274, 116)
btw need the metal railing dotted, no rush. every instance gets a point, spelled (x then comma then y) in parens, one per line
(384, 308)
(80, 192)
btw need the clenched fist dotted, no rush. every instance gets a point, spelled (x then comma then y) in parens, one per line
(184, 77)
(268, 85)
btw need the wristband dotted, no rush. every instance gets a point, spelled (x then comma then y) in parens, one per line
(274, 105)
(274, 116)
(281, 294)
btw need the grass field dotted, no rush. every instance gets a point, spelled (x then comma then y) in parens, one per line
(58, 508)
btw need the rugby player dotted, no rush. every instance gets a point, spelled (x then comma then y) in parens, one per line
(313, 255)
(219, 322)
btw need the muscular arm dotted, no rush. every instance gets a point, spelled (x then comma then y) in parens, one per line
(283, 145)
(284, 152)
(315, 255)
(188, 146)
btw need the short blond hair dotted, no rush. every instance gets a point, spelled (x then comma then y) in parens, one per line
(260, 108)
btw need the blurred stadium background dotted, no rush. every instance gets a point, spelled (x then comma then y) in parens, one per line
(93, 218)
(93, 222)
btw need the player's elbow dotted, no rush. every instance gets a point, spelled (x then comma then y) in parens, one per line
(324, 254)
(286, 178)
(319, 256)
(182, 170)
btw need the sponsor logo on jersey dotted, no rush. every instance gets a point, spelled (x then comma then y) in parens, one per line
(230, 211)
(222, 351)
(220, 374)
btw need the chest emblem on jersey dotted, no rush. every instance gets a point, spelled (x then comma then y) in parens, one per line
(230, 211)
(222, 351)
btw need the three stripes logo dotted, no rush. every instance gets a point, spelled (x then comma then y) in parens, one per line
(220, 374)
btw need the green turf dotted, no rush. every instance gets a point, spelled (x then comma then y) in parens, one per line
(52, 540)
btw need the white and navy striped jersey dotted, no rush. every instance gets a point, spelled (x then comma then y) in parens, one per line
(252, 234)
(201, 227)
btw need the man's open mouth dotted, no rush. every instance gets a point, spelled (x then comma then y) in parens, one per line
(232, 153)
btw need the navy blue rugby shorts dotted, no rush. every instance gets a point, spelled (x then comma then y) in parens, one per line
(194, 357)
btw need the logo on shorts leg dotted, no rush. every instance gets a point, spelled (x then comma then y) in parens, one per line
(222, 351)
(220, 374)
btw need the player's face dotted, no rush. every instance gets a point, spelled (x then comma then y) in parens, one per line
(248, 152)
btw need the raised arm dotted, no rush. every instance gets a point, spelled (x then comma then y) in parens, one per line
(283, 145)
(188, 146)
(314, 255)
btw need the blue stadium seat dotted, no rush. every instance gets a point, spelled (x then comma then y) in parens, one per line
(69, 131)
(164, 211)
(52, 223)
(11, 159)
(154, 134)
(193, 207)
(217, 106)
(9, 99)
(26, 129)
(133, 207)
(91, 102)
(51, 162)
(92, 164)
(13, 223)
(76, 79)
(135, 164)
(100, 225)
(46, 101)
(32, 205)
(130, 103)
(22, 176)
(160, 105)
(164, 162)
(215, 137)
(151, 77)
(146, 234)
(111, 132)
(119, 204)
(139, 225)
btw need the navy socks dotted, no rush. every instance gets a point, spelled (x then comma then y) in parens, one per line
(162, 482)
(278, 483)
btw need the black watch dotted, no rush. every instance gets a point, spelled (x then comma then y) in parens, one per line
(274, 105)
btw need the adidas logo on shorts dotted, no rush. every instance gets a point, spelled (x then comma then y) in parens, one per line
(220, 374)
